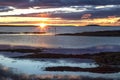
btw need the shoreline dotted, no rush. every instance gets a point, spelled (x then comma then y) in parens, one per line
(105, 60)
(22, 32)
(114, 33)
(103, 69)
(27, 52)
(6, 73)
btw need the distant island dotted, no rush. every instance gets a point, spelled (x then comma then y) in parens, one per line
(22, 32)
(115, 33)
(18, 26)
(92, 25)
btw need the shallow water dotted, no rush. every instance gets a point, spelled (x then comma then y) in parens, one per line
(58, 41)
(37, 67)
(51, 41)
(58, 29)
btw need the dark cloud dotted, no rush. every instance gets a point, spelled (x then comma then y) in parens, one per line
(77, 16)
(89, 5)
(5, 8)
(13, 1)
(94, 11)
(28, 3)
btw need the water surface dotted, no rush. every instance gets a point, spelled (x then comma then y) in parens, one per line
(36, 67)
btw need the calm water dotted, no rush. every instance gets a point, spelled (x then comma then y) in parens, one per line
(52, 41)
(37, 67)
(58, 29)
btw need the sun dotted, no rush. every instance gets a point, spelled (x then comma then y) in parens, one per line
(43, 25)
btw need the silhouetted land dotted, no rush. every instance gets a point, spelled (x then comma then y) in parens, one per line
(21, 50)
(50, 55)
(17, 26)
(108, 58)
(108, 62)
(22, 32)
(103, 69)
(96, 33)
(92, 25)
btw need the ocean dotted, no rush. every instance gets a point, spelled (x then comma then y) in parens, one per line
(49, 40)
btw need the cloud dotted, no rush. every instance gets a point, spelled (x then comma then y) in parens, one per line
(6, 8)
(41, 10)
(29, 3)
(68, 9)
(67, 12)
(77, 12)
(94, 11)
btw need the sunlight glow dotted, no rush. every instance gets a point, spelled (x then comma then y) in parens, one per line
(43, 25)
(46, 21)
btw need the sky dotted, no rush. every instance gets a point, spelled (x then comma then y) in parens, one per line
(60, 12)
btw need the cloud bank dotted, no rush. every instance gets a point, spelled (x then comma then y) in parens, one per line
(64, 9)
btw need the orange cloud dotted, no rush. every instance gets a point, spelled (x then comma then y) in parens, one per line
(110, 21)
